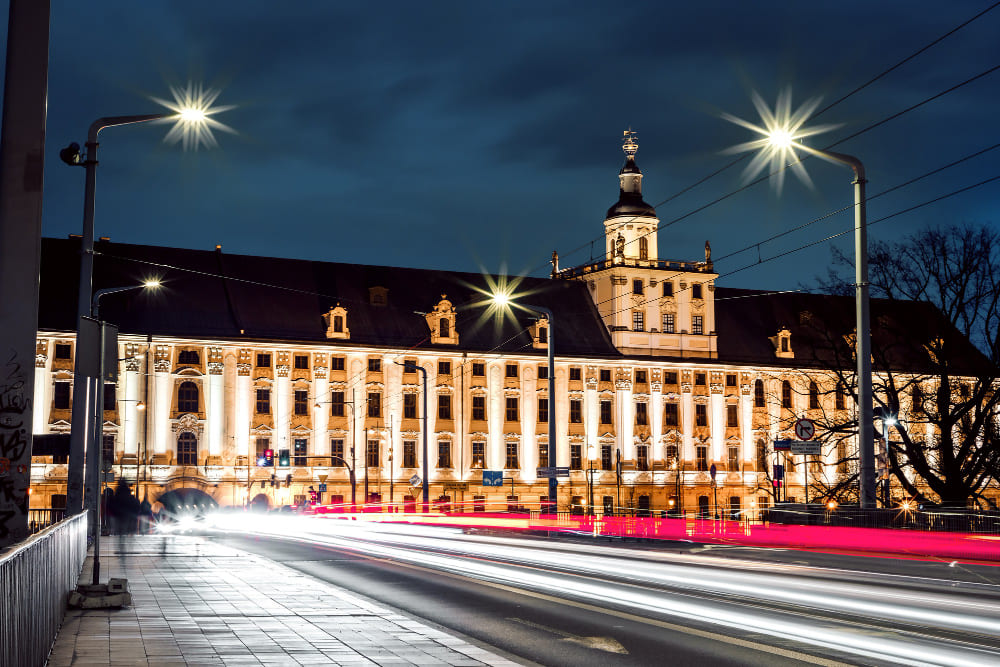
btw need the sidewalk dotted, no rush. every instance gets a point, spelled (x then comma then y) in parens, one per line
(195, 602)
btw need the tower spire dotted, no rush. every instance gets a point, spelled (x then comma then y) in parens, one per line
(630, 145)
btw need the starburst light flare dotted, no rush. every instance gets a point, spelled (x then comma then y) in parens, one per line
(193, 123)
(780, 137)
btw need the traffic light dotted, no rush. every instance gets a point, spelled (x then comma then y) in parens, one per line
(288, 481)
(266, 459)
(284, 458)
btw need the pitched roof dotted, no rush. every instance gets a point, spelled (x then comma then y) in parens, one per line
(211, 294)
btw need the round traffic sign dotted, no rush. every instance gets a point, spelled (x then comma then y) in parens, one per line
(805, 429)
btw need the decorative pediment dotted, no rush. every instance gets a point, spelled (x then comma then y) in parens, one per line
(441, 321)
(187, 423)
(336, 323)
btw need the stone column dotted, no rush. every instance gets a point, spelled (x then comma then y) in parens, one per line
(281, 396)
(529, 425)
(626, 415)
(656, 415)
(215, 408)
(495, 406)
(321, 406)
(591, 414)
(242, 402)
(40, 402)
(717, 417)
(160, 402)
(687, 419)
(131, 416)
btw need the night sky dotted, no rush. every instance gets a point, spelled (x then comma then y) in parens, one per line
(477, 136)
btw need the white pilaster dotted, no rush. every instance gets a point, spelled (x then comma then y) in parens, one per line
(215, 412)
(242, 400)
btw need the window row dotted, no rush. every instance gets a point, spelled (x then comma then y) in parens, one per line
(668, 322)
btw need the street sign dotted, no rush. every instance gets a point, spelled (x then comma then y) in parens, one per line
(782, 445)
(712, 471)
(805, 429)
(322, 487)
(415, 480)
(551, 471)
(493, 478)
(811, 448)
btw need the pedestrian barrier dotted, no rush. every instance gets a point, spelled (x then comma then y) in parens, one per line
(35, 578)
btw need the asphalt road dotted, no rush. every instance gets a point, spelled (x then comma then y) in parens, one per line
(572, 602)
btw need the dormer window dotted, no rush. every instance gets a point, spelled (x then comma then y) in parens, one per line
(336, 323)
(540, 334)
(441, 322)
(378, 296)
(783, 344)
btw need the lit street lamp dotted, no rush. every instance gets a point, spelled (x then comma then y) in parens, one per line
(778, 144)
(889, 420)
(502, 299)
(191, 111)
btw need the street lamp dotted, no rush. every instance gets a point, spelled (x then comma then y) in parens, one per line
(780, 139)
(502, 300)
(889, 420)
(191, 110)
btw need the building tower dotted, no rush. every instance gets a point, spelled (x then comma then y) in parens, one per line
(651, 306)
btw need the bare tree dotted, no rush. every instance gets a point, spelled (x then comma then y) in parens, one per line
(935, 345)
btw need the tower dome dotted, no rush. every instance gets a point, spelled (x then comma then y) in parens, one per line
(630, 202)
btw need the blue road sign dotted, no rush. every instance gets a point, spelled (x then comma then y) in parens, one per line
(783, 445)
(553, 471)
(493, 478)
(322, 487)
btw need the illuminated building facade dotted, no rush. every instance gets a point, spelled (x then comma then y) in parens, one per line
(660, 376)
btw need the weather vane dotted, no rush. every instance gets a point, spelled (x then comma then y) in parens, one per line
(630, 146)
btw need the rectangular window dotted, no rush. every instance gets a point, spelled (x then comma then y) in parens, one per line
(374, 404)
(337, 403)
(300, 452)
(642, 457)
(260, 445)
(699, 379)
(543, 455)
(409, 366)
(444, 454)
(372, 457)
(605, 375)
(575, 374)
(512, 370)
(700, 414)
(263, 401)
(374, 365)
(409, 453)
(108, 452)
(697, 326)
(187, 450)
(701, 454)
(668, 323)
(730, 379)
(478, 369)
(637, 286)
(109, 397)
(301, 402)
(263, 360)
(337, 450)
(670, 414)
(640, 377)
(731, 416)
(511, 414)
(576, 411)
(336, 363)
(511, 463)
(668, 288)
(479, 455)
(479, 408)
(670, 377)
(302, 362)
(444, 368)
(409, 406)
(444, 406)
(638, 320)
(606, 462)
(733, 458)
(543, 372)
(543, 410)
(605, 412)
(641, 417)
(575, 456)
(813, 395)
(64, 351)
(696, 291)
(839, 397)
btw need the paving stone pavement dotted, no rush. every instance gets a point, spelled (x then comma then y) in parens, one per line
(195, 602)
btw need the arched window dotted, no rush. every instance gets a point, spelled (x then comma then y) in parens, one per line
(786, 394)
(187, 449)
(643, 248)
(813, 395)
(445, 328)
(758, 393)
(187, 397)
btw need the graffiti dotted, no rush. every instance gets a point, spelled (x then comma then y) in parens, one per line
(15, 447)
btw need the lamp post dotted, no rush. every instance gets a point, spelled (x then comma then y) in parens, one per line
(889, 420)
(411, 366)
(191, 113)
(779, 143)
(502, 299)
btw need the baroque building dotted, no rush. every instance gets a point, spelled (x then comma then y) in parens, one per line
(669, 390)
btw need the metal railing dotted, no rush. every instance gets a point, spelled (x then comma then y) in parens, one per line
(42, 518)
(35, 578)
